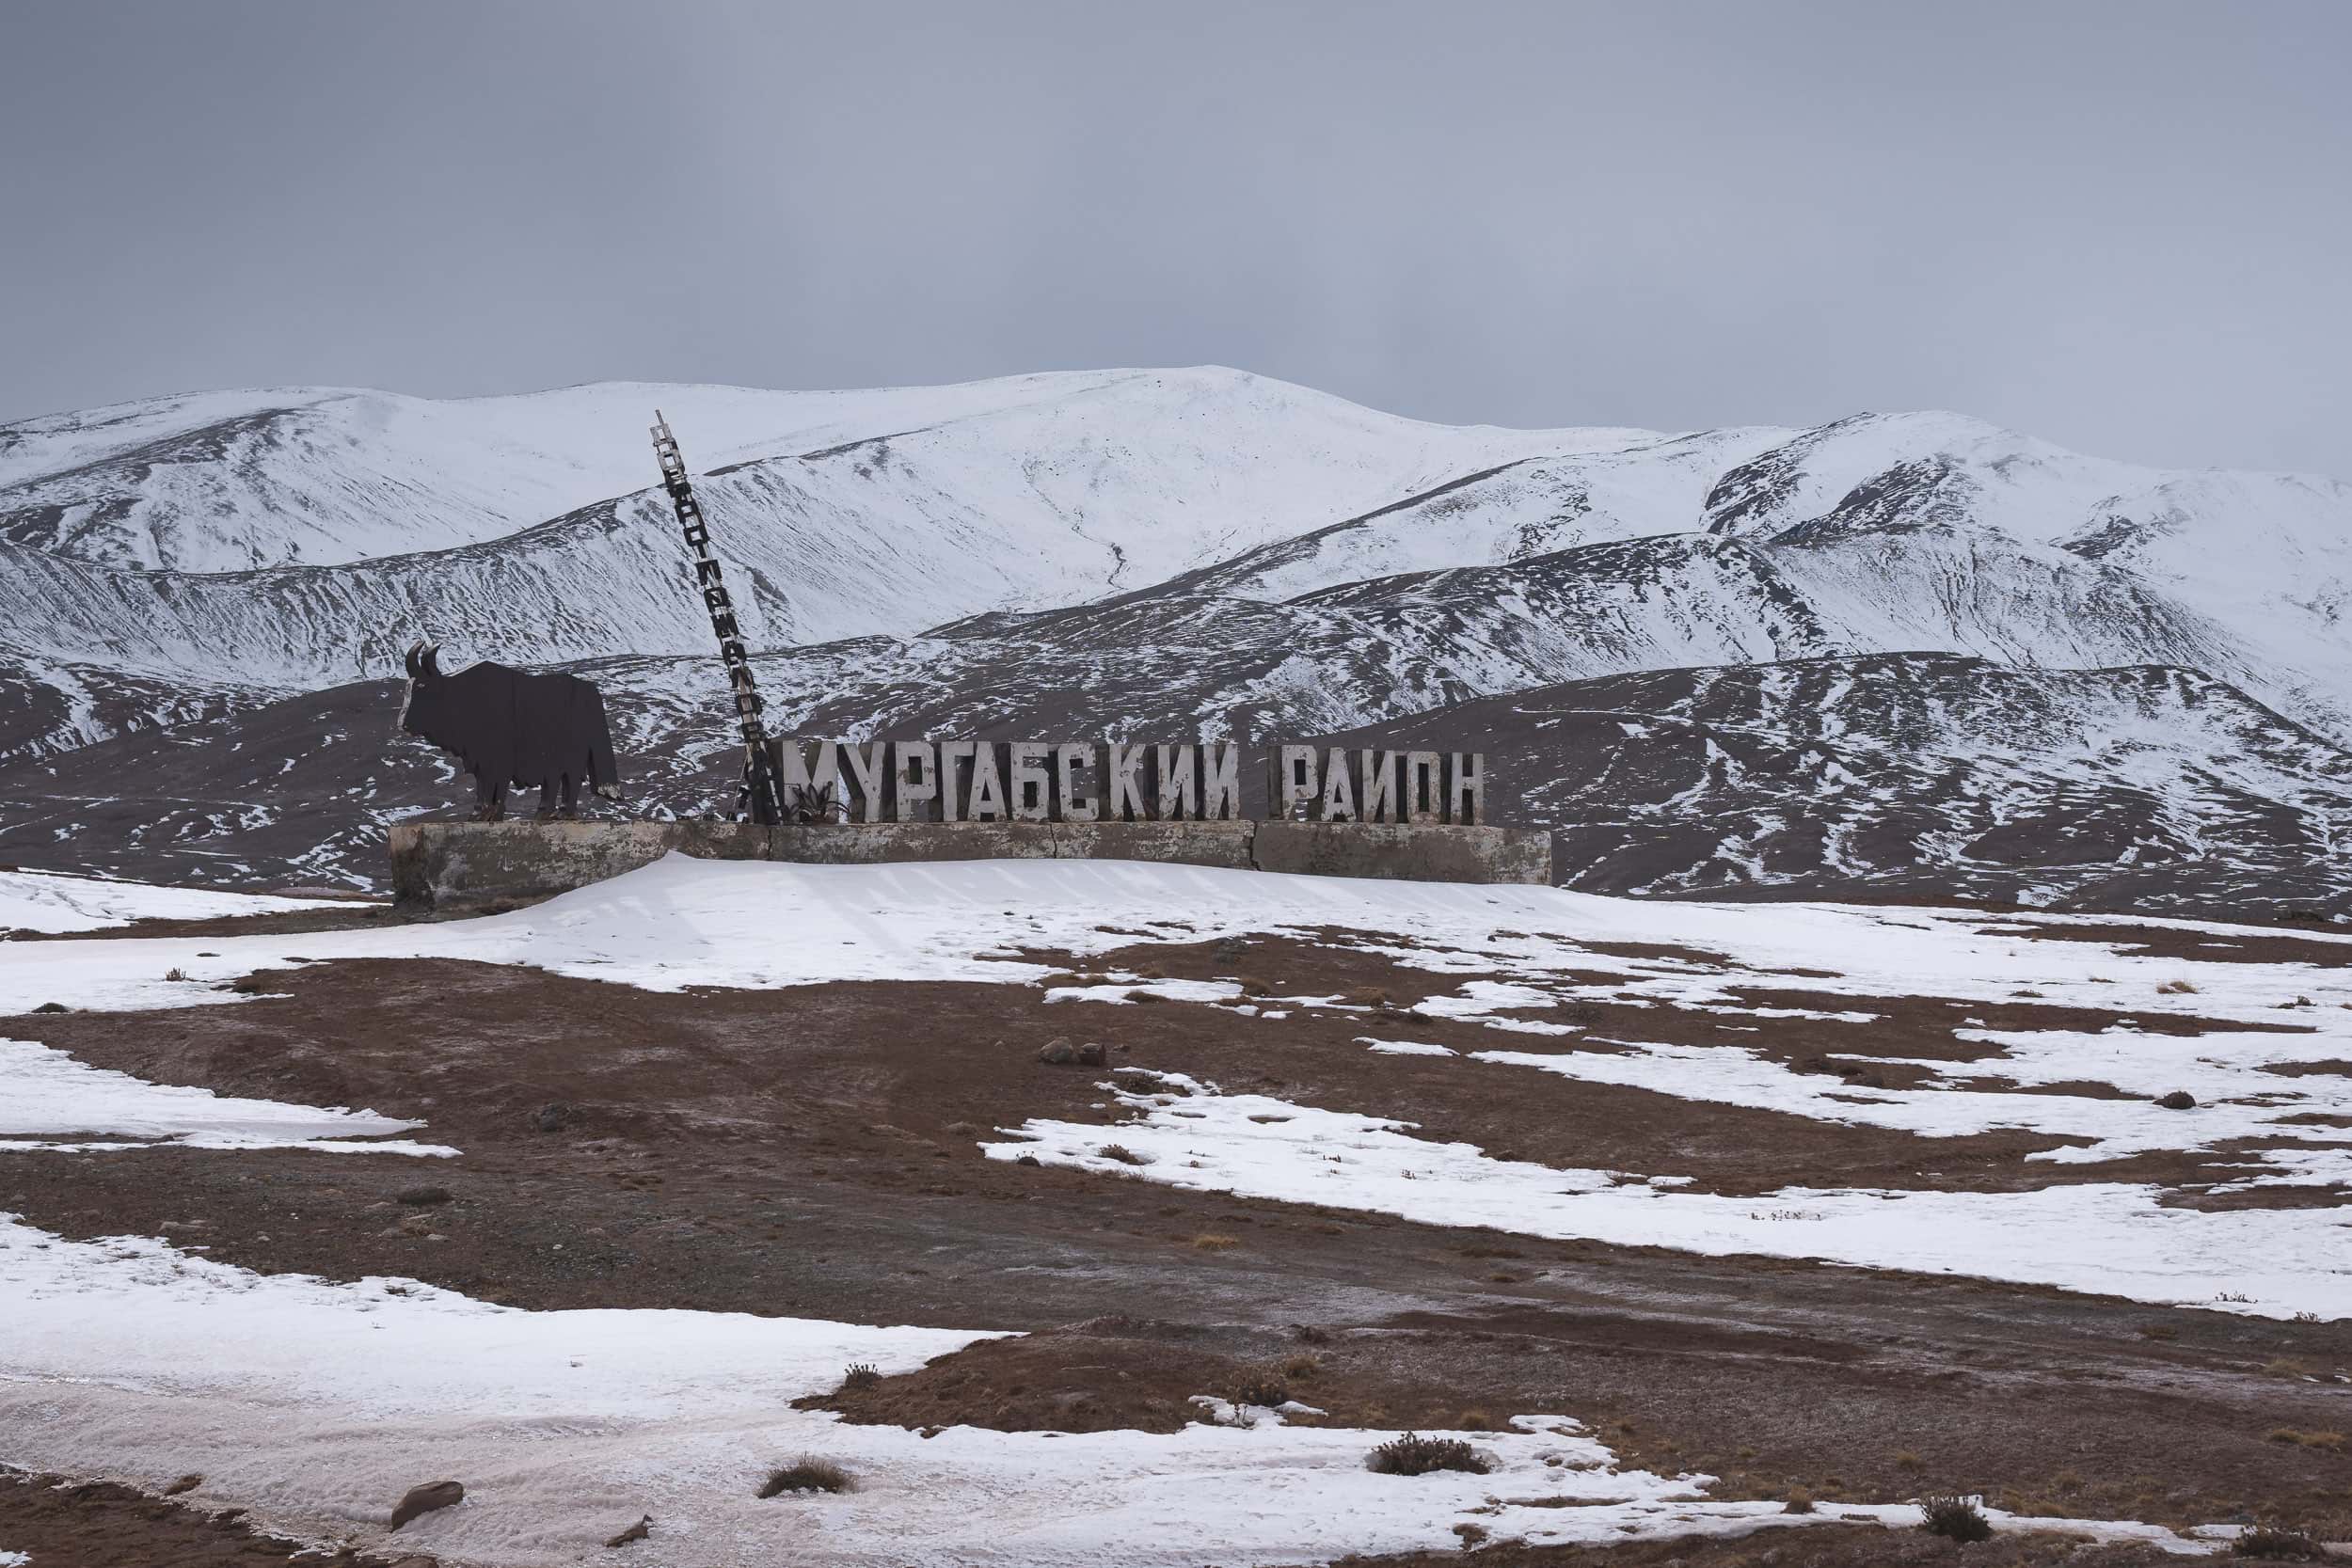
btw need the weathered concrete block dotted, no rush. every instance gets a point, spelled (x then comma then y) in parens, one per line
(1429, 853)
(458, 866)
(455, 864)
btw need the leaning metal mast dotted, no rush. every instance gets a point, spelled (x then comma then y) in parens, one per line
(760, 800)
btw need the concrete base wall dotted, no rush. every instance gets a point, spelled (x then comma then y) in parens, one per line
(459, 866)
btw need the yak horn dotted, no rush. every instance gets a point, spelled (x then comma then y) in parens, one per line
(415, 649)
(433, 661)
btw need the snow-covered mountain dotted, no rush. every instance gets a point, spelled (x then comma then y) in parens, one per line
(1152, 551)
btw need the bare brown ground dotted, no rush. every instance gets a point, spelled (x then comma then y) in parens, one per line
(2133, 940)
(61, 1523)
(813, 1151)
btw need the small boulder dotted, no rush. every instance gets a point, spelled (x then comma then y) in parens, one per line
(185, 1483)
(1029, 1159)
(51, 1007)
(2179, 1100)
(424, 1499)
(419, 1196)
(1057, 1052)
(636, 1531)
(552, 1117)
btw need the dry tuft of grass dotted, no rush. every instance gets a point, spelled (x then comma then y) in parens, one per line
(1954, 1518)
(1208, 1240)
(807, 1473)
(2330, 1440)
(1301, 1367)
(861, 1375)
(175, 972)
(1124, 1155)
(1800, 1501)
(1250, 986)
(2177, 987)
(1911, 1461)
(1415, 1455)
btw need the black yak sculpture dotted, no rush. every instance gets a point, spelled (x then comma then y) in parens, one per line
(507, 727)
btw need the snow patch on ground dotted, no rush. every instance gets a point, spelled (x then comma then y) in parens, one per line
(49, 1101)
(49, 903)
(2110, 1238)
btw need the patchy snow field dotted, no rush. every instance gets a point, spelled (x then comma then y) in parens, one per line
(296, 1396)
(683, 923)
(133, 1357)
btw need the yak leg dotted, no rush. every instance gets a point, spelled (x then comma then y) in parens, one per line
(571, 800)
(546, 801)
(490, 796)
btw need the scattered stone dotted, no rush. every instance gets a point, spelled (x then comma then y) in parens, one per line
(424, 1499)
(636, 1531)
(550, 1117)
(2179, 1100)
(1027, 1159)
(185, 1483)
(51, 1007)
(1057, 1052)
(418, 1196)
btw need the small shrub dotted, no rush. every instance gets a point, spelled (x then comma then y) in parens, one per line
(2179, 1100)
(1211, 1242)
(1954, 1518)
(2177, 987)
(51, 1007)
(1145, 996)
(1800, 1501)
(807, 1473)
(1260, 1385)
(1255, 987)
(1908, 1461)
(1308, 1334)
(1415, 1455)
(1471, 1534)
(2279, 1542)
(175, 972)
(1301, 1367)
(1474, 1421)
(1124, 1155)
(861, 1375)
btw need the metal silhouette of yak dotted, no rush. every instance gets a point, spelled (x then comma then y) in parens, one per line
(509, 728)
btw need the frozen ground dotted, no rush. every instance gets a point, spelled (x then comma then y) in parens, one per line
(1524, 950)
(313, 1402)
(135, 1357)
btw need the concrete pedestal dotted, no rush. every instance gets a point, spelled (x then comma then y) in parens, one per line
(470, 865)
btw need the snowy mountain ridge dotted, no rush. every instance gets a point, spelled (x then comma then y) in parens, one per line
(1132, 551)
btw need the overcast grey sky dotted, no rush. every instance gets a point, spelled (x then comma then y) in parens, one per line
(2120, 227)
